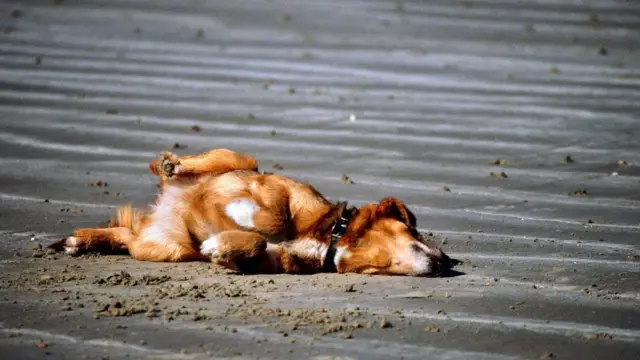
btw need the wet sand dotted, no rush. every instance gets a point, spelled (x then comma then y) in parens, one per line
(510, 129)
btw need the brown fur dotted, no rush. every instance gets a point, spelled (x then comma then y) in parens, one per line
(217, 204)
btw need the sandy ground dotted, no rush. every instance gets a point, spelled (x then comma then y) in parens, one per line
(509, 127)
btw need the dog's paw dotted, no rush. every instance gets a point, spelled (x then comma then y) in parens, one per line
(71, 245)
(209, 247)
(170, 165)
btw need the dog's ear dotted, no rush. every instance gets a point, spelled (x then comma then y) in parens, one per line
(394, 208)
(361, 219)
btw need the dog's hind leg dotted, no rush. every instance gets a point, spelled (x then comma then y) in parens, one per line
(121, 240)
(146, 250)
(106, 241)
(115, 238)
(154, 237)
(164, 237)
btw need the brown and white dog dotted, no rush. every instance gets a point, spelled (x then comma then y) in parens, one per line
(218, 206)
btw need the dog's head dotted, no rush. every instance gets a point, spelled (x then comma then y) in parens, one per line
(382, 239)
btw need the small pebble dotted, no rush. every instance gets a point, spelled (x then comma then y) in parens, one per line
(384, 324)
(500, 175)
(346, 180)
(498, 162)
(582, 192)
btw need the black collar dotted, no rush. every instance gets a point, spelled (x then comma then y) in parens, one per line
(338, 229)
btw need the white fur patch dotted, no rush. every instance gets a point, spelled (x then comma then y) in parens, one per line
(72, 241)
(241, 212)
(71, 245)
(164, 216)
(209, 247)
(341, 253)
(420, 262)
(425, 265)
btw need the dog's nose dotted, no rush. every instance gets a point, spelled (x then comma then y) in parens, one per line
(440, 264)
(429, 260)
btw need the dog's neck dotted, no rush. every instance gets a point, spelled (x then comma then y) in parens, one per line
(327, 231)
(338, 229)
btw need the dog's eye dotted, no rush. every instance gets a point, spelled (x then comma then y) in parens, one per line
(414, 232)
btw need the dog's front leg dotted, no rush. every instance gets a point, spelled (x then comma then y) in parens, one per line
(243, 251)
(218, 161)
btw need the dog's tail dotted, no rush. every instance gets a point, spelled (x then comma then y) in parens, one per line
(127, 216)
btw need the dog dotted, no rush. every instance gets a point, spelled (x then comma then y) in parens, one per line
(218, 207)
